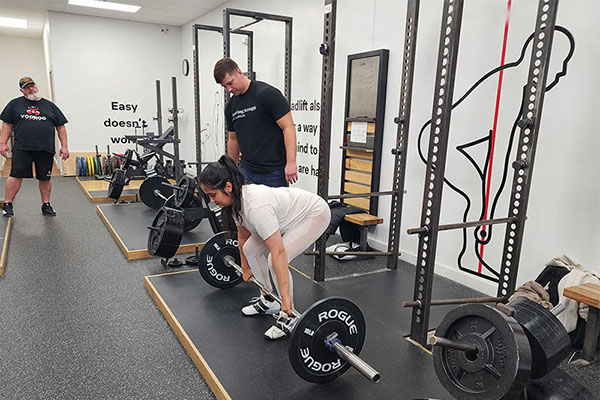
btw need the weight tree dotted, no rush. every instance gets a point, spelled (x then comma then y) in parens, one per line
(438, 143)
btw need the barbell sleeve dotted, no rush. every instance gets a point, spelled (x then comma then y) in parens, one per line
(365, 369)
(452, 344)
(157, 193)
(557, 309)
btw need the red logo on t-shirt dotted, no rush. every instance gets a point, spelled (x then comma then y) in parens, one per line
(33, 110)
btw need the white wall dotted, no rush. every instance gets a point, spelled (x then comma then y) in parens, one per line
(563, 216)
(21, 57)
(98, 61)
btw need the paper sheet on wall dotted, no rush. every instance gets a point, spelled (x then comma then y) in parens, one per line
(358, 132)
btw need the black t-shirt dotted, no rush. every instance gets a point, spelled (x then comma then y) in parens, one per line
(253, 117)
(33, 122)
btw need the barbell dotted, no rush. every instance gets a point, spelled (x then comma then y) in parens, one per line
(326, 339)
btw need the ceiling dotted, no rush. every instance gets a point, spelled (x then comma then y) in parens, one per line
(163, 12)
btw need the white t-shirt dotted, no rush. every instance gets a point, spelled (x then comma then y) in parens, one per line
(266, 210)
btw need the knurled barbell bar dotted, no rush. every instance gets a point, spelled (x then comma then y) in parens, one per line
(326, 339)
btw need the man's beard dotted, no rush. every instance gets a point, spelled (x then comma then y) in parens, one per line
(33, 97)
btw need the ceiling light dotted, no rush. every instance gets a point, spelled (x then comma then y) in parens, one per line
(105, 4)
(13, 22)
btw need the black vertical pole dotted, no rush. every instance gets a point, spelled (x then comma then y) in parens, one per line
(197, 120)
(436, 165)
(403, 121)
(176, 162)
(288, 61)
(328, 51)
(159, 114)
(530, 126)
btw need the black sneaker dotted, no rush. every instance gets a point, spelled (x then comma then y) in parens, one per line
(47, 209)
(7, 210)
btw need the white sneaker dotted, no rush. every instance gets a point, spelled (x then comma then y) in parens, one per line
(260, 305)
(282, 328)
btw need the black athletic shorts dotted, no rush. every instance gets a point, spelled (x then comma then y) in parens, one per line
(21, 164)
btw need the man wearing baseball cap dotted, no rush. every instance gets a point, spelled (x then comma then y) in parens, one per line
(33, 121)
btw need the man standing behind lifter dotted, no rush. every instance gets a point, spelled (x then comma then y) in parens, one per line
(33, 120)
(260, 125)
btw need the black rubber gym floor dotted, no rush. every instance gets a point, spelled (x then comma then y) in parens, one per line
(77, 323)
(246, 366)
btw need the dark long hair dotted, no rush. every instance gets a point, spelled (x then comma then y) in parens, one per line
(215, 176)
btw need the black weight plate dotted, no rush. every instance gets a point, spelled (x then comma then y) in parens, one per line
(211, 265)
(166, 233)
(99, 170)
(191, 260)
(147, 188)
(185, 192)
(127, 157)
(307, 352)
(502, 365)
(195, 202)
(117, 182)
(557, 385)
(548, 338)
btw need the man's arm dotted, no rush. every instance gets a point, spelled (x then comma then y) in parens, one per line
(4, 135)
(62, 137)
(233, 148)
(286, 123)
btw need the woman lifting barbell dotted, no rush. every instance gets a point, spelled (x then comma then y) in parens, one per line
(282, 221)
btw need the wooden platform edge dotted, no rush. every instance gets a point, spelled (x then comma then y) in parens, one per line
(205, 370)
(87, 194)
(114, 234)
(5, 246)
(141, 253)
(103, 199)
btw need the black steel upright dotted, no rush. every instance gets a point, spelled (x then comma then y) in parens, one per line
(328, 51)
(175, 120)
(403, 121)
(436, 164)
(258, 16)
(529, 128)
(197, 117)
(158, 117)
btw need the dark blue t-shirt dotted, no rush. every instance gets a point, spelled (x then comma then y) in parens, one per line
(34, 123)
(253, 117)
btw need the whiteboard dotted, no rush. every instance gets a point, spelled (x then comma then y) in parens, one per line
(364, 74)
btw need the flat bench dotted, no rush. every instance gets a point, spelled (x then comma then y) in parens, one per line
(363, 220)
(588, 293)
